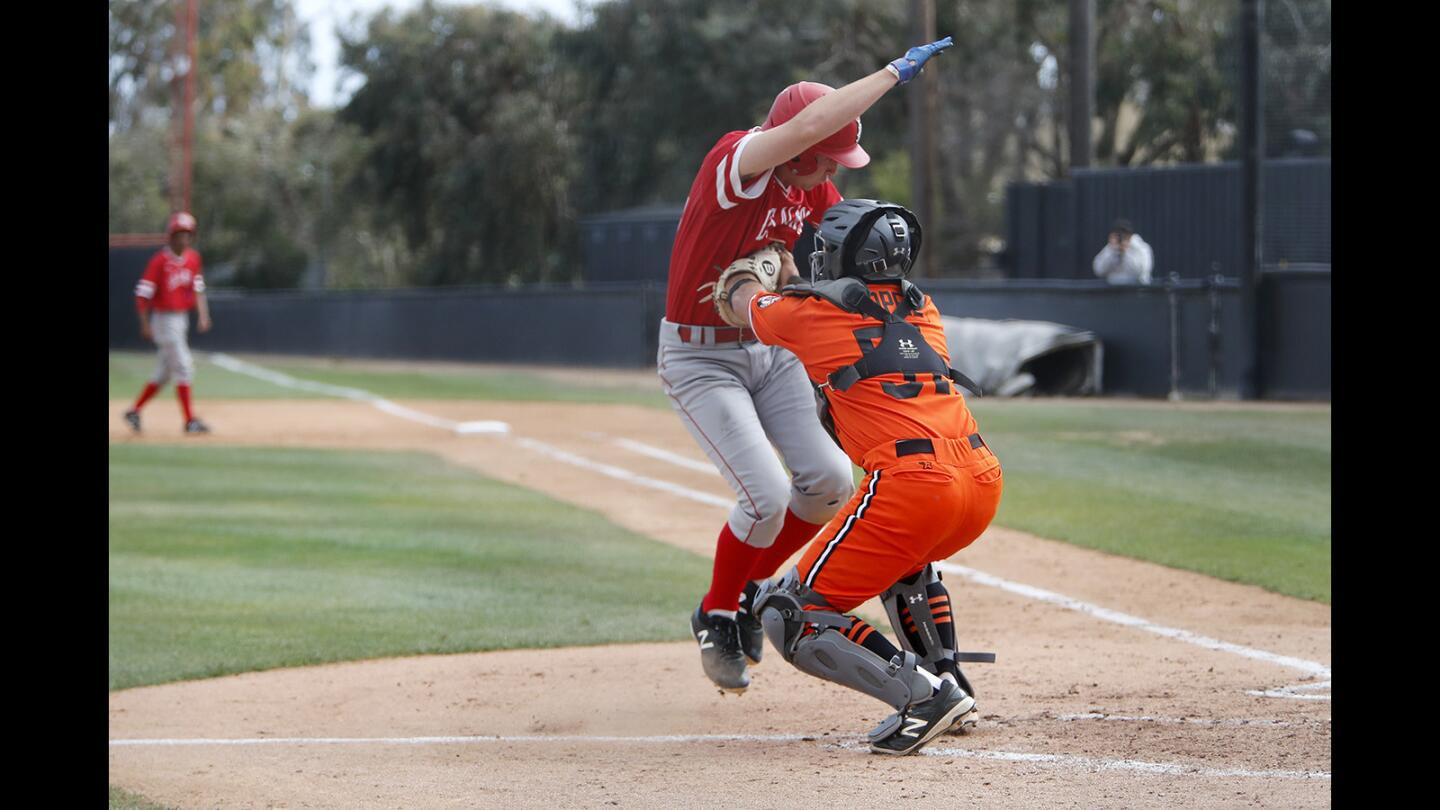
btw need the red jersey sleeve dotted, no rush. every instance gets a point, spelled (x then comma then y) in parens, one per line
(199, 284)
(145, 288)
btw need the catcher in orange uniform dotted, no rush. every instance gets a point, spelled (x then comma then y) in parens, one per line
(873, 346)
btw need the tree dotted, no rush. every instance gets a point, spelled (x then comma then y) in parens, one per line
(661, 80)
(250, 53)
(470, 152)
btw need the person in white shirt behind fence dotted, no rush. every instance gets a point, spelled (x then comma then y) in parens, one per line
(1126, 259)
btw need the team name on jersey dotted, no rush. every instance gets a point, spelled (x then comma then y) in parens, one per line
(790, 216)
(178, 277)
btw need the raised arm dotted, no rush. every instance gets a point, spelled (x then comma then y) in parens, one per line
(828, 114)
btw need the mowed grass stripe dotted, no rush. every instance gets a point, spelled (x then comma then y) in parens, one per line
(1240, 495)
(226, 560)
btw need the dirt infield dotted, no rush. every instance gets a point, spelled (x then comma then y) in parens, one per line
(1119, 683)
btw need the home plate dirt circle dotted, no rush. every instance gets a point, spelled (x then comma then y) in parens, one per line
(1081, 708)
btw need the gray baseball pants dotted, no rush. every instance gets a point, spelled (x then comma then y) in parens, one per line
(174, 361)
(736, 399)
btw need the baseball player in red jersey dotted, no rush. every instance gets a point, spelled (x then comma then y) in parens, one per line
(736, 396)
(873, 345)
(171, 286)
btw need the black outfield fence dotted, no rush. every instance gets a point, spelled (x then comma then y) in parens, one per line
(1195, 322)
(1189, 214)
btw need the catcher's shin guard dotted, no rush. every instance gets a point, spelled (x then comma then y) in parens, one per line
(913, 608)
(826, 653)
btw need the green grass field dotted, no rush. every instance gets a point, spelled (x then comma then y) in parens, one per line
(1243, 495)
(228, 560)
(1233, 492)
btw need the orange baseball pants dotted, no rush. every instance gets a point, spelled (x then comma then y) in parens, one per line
(909, 511)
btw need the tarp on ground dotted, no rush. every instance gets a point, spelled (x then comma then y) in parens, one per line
(1025, 358)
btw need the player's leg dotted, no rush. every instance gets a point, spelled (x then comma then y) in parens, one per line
(875, 539)
(708, 390)
(184, 370)
(919, 604)
(822, 475)
(163, 365)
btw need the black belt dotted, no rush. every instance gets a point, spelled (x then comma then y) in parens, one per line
(909, 447)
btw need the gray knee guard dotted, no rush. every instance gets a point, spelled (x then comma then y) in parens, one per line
(827, 653)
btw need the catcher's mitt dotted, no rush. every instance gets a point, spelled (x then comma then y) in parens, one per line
(764, 264)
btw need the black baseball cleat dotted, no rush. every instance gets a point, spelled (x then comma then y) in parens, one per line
(752, 633)
(923, 721)
(196, 426)
(133, 417)
(720, 654)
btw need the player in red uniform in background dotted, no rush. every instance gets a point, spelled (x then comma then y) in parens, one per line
(171, 286)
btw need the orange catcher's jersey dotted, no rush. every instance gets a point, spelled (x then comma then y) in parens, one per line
(170, 281)
(827, 338)
(725, 219)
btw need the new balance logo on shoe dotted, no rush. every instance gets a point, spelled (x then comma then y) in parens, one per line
(912, 724)
(700, 637)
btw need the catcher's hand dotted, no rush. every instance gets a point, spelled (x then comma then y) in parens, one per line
(764, 265)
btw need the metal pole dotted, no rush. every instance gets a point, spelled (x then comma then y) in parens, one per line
(1082, 81)
(1214, 336)
(1170, 291)
(192, 23)
(920, 97)
(1252, 134)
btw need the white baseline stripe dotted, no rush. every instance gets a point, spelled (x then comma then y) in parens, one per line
(1161, 768)
(1136, 622)
(1243, 722)
(665, 455)
(227, 362)
(623, 474)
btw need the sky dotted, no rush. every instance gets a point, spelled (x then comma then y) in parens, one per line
(328, 87)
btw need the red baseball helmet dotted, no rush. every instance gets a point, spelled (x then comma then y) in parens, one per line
(843, 146)
(180, 221)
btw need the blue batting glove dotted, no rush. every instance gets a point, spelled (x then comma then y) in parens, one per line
(909, 66)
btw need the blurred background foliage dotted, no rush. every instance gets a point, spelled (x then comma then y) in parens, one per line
(478, 135)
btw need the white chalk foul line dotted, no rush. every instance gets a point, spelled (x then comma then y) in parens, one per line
(1065, 760)
(1314, 668)
(623, 474)
(1241, 722)
(665, 455)
(1136, 622)
(1135, 765)
(238, 366)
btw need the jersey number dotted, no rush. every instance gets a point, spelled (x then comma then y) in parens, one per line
(868, 337)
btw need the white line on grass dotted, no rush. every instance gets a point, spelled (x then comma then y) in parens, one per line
(1064, 760)
(623, 474)
(1136, 622)
(1029, 591)
(229, 363)
(665, 455)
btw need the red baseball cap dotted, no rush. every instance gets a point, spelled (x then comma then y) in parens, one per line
(180, 221)
(842, 146)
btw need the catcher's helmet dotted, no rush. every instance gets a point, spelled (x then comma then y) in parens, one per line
(842, 146)
(180, 221)
(871, 240)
